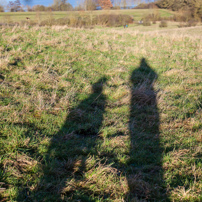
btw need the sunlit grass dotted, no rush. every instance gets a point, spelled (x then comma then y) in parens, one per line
(66, 108)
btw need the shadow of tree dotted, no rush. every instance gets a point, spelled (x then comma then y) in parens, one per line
(146, 178)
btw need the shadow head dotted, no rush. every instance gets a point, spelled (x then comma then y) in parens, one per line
(144, 73)
(98, 86)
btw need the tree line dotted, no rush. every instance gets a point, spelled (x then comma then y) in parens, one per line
(58, 5)
(193, 7)
(64, 5)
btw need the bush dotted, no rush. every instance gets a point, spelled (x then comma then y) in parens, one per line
(181, 25)
(48, 22)
(163, 24)
(190, 23)
(185, 16)
(87, 21)
(146, 23)
(153, 17)
(113, 20)
(179, 18)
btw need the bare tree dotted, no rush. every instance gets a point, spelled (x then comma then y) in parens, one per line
(29, 9)
(90, 4)
(87, 5)
(14, 6)
(2, 5)
(1, 8)
(117, 4)
(61, 5)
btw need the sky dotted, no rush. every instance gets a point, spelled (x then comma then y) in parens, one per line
(41, 2)
(44, 2)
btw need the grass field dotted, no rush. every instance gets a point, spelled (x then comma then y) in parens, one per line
(136, 13)
(104, 114)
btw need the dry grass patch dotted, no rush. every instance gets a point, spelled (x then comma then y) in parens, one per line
(110, 183)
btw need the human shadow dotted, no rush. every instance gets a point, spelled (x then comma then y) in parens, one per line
(68, 151)
(146, 177)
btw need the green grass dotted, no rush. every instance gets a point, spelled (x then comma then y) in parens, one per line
(106, 114)
(136, 13)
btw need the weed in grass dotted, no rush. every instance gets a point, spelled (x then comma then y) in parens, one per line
(163, 24)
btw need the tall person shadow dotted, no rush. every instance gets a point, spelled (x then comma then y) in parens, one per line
(64, 164)
(146, 177)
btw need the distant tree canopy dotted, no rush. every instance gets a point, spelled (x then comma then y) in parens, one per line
(61, 5)
(39, 8)
(146, 6)
(58, 5)
(90, 4)
(15, 6)
(94, 4)
(2, 5)
(105, 4)
(194, 6)
(1, 8)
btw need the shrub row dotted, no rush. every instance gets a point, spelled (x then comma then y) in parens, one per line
(85, 21)
(180, 17)
(191, 23)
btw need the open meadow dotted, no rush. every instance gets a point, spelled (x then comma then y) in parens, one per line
(137, 14)
(101, 114)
